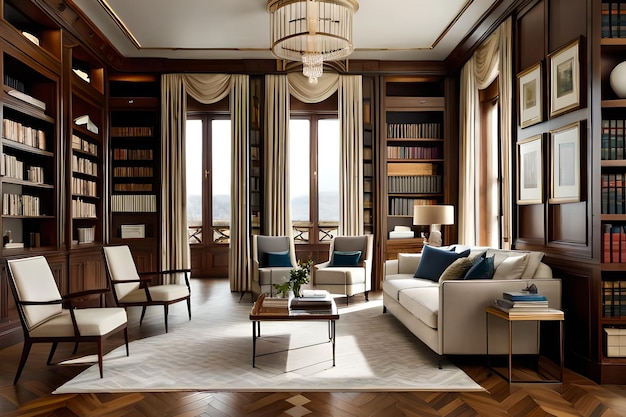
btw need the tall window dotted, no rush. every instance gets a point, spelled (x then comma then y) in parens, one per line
(208, 160)
(314, 143)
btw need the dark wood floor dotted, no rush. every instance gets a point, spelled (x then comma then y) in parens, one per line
(32, 396)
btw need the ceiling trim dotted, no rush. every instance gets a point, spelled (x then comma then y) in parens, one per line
(120, 24)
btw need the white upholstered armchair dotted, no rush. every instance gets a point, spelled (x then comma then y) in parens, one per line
(349, 268)
(272, 259)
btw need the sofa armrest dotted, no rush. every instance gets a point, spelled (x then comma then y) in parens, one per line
(390, 268)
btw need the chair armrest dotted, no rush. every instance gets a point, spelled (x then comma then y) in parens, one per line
(185, 271)
(39, 303)
(67, 299)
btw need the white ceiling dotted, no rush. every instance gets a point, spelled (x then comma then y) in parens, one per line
(239, 29)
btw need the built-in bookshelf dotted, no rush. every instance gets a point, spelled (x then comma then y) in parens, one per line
(256, 157)
(613, 181)
(413, 148)
(369, 183)
(134, 157)
(29, 157)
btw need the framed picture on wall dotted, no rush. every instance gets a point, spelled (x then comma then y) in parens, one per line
(565, 79)
(530, 170)
(529, 85)
(565, 164)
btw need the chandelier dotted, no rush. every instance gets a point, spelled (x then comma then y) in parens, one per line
(311, 31)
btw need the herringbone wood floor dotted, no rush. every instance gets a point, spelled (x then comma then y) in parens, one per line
(32, 396)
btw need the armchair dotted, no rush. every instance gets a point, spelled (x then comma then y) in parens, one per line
(272, 259)
(133, 289)
(47, 317)
(349, 268)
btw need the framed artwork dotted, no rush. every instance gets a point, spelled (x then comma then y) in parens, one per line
(565, 164)
(530, 171)
(565, 79)
(529, 84)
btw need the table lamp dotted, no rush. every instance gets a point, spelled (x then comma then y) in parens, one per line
(433, 216)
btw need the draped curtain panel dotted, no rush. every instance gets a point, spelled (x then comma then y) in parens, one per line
(206, 88)
(350, 110)
(492, 58)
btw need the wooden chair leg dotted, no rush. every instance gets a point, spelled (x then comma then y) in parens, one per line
(126, 339)
(165, 308)
(100, 356)
(75, 348)
(52, 350)
(189, 307)
(367, 296)
(25, 352)
(143, 313)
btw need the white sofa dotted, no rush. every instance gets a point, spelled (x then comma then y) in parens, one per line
(449, 316)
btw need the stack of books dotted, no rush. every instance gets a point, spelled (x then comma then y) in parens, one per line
(522, 302)
(273, 305)
(312, 300)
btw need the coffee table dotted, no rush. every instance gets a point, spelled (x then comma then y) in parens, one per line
(259, 314)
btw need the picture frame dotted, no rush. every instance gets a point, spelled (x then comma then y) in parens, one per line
(565, 164)
(565, 79)
(530, 170)
(530, 94)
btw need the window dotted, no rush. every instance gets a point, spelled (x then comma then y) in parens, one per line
(314, 177)
(208, 162)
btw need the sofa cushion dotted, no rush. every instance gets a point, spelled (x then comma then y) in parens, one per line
(534, 259)
(423, 303)
(457, 269)
(435, 261)
(345, 258)
(393, 287)
(511, 268)
(482, 268)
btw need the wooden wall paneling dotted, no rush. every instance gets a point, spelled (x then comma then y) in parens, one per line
(567, 20)
(531, 221)
(531, 36)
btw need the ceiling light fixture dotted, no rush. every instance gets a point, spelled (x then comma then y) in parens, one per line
(311, 31)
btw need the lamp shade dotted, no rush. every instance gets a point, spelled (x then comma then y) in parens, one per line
(431, 214)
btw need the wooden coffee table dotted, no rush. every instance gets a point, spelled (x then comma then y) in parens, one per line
(259, 314)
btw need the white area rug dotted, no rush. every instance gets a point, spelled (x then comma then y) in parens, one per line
(213, 352)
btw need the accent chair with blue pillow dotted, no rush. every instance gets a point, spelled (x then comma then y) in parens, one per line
(272, 259)
(348, 270)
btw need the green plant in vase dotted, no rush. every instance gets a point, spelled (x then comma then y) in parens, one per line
(297, 278)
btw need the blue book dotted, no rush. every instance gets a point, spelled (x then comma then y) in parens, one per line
(522, 296)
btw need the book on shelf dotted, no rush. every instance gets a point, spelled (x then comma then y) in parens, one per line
(27, 99)
(14, 245)
(522, 296)
(84, 120)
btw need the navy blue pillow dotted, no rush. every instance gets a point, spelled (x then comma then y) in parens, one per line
(276, 259)
(345, 258)
(483, 268)
(434, 261)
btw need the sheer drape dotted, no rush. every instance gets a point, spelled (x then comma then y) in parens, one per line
(492, 58)
(206, 88)
(350, 110)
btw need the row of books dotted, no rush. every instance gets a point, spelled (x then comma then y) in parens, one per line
(84, 187)
(131, 131)
(431, 184)
(84, 145)
(20, 205)
(14, 168)
(84, 166)
(522, 302)
(134, 203)
(17, 132)
(612, 193)
(613, 243)
(132, 187)
(614, 298)
(82, 208)
(145, 172)
(401, 206)
(414, 130)
(414, 152)
(613, 19)
(120, 154)
(612, 139)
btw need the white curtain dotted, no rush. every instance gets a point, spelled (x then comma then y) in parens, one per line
(206, 88)
(491, 59)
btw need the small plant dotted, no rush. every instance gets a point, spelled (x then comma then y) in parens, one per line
(297, 278)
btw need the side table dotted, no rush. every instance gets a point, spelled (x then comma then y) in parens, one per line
(538, 316)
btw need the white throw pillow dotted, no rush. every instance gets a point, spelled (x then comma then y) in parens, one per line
(512, 267)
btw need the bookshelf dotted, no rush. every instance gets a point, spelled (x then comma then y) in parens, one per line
(613, 180)
(412, 147)
(256, 157)
(135, 166)
(369, 109)
(29, 157)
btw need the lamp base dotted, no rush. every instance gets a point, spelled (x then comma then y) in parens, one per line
(434, 238)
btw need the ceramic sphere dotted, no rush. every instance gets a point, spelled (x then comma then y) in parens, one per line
(618, 80)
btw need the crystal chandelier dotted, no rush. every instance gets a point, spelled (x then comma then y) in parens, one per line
(311, 31)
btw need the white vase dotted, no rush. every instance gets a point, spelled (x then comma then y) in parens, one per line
(618, 79)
